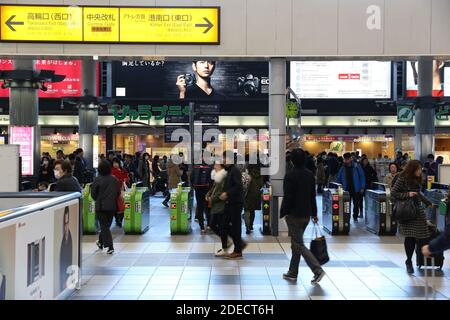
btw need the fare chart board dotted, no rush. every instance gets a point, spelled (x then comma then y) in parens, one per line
(95, 24)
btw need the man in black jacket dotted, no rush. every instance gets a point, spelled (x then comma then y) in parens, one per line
(233, 195)
(66, 182)
(201, 181)
(299, 205)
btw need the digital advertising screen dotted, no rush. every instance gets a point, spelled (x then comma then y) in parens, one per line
(69, 87)
(341, 79)
(190, 80)
(441, 78)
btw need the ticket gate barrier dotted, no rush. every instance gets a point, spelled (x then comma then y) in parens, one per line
(437, 195)
(88, 209)
(336, 210)
(379, 214)
(180, 208)
(266, 193)
(137, 210)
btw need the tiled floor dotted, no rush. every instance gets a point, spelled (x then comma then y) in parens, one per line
(157, 265)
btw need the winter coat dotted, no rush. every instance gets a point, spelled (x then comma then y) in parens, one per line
(359, 180)
(299, 199)
(321, 176)
(105, 191)
(233, 186)
(144, 172)
(174, 174)
(217, 205)
(121, 175)
(252, 199)
(389, 178)
(416, 228)
(68, 183)
(201, 176)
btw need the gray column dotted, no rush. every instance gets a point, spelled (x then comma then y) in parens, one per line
(88, 114)
(277, 121)
(398, 133)
(24, 109)
(425, 113)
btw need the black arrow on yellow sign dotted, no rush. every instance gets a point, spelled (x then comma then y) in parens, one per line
(10, 23)
(208, 25)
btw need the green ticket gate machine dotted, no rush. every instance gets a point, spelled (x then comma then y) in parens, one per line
(137, 210)
(437, 195)
(180, 208)
(336, 210)
(88, 205)
(379, 211)
(266, 193)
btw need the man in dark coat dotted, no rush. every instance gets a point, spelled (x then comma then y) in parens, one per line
(233, 196)
(299, 206)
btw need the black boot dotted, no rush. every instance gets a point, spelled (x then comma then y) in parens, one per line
(409, 267)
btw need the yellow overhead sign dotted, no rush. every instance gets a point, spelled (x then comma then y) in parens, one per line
(175, 25)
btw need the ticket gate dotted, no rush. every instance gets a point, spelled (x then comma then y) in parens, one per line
(180, 208)
(137, 210)
(266, 193)
(88, 210)
(437, 195)
(379, 211)
(336, 210)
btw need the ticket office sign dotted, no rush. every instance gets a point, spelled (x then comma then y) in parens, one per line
(95, 24)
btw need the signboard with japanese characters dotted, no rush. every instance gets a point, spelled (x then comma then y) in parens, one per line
(97, 24)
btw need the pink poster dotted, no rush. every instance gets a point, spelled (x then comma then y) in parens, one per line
(69, 87)
(24, 136)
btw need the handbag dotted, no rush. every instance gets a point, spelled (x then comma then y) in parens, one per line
(318, 246)
(405, 210)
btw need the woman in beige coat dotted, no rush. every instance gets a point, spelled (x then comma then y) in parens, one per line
(174, 175)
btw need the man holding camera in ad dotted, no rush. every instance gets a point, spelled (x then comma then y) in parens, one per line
(198, 85)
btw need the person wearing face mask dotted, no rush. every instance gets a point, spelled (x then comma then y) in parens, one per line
(46, 171)
(122, 175)
(218, 221)
(144, 170)
(66, 182)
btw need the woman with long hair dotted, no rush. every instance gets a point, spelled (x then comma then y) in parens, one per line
(415, 231)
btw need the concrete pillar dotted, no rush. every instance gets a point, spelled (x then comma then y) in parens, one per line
(277, 121)
(88, 113)
(425, 113)
(24, 110)
(398, 133)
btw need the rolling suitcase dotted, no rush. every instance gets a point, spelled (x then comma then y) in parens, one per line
(438, 258)
(433, 274)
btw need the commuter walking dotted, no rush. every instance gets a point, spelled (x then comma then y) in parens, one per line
(393, 172)
(351, 176)
(105, 191)
(131, 169)
(144, 170)
(234, 201)
(416, 230)
(174, 175)
(298, 207)
(122, 175)
(321, 175)
(252, 201)
(218, 220)
(66, 182)
(201, 181)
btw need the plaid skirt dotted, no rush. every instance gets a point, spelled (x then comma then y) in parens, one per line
(416, 228)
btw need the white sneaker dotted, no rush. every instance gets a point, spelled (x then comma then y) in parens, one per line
(221, 253)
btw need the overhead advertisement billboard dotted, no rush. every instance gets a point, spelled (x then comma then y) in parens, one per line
(24, 137)
(190, 80)
(69, 87)
(441, 78)
(341, 79)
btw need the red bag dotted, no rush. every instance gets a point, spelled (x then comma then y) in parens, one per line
(120, 203)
